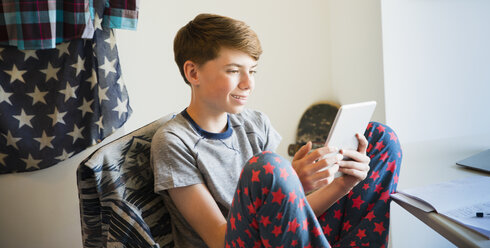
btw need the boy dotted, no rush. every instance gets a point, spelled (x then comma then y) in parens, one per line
(217, 192)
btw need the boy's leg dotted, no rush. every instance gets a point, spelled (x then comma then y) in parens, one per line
(269, 208)
(362, 217)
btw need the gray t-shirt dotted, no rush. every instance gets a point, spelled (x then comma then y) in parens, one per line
(183, 154)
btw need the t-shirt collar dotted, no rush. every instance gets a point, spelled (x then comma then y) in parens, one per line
(206, 134)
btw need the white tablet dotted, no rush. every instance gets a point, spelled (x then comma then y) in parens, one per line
(350, 119)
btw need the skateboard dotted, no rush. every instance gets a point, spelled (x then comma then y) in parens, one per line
(314, 125)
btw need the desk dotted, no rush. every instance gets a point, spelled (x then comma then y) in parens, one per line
(431, 162)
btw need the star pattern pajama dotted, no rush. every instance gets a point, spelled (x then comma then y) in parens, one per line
(270, 209)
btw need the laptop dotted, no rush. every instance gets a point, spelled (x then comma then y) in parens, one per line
(479, 161)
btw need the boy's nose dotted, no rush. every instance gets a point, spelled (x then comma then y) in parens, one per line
(246, 82)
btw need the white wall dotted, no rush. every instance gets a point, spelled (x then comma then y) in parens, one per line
(356, 53)
(436, 65)
(437, 85)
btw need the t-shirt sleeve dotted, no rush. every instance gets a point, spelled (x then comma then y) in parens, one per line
(272, 137)
(173, 162)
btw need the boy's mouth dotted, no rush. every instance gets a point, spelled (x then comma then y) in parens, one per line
(239, 97)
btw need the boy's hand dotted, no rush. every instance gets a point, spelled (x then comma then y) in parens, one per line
(356, 169)
(308, 165)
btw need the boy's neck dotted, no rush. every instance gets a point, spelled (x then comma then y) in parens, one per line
(208, 120)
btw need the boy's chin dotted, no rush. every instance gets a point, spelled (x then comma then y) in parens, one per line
(236, 110)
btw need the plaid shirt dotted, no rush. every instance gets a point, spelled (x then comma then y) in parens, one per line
(41, 24)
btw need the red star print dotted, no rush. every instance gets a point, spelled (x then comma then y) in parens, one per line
(395, 178)
(387, 215)
(255, 176)
(269, 169)
(239, 217)
(350, 194)
(245, 191)
(294, 243)
(379, 228)
(393, 136)
(277, 159)
(379, 146)
(322, 217)
(370, 125)
(327, 230)
(248, 233)
(346, 226)
(353, 243)
(370, 147)
(284, 173)
(391, 166)
(253, 160)
(361, 233)
(292, 197)
(293, 225)
(240, 242)
(279, 216)
(228, 245)
(370, 206)
(381, 129)
(301, 203)
(365, 244)
(264, 220)
(232, 222)
(385, 196)
(278, 196)
(305, 224)
(265, 152)
(308, 246)
(317, 231)
(254, 224)
(257, 203)
(265, 191)
(374, 175)
(337, 214)
(277, 230)
(251, 208)
(357, 202)
(366, 186)
(383, 156)
(378, 188)
(257, 244)
(370, 216)
(399, 154)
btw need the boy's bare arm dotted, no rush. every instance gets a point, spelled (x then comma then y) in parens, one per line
(200, 210)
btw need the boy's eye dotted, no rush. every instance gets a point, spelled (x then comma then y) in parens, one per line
(233, 71)
(252, 72)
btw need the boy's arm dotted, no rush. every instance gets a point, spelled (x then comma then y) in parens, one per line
(200, 210)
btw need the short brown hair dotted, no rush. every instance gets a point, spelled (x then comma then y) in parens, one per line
(202, 38)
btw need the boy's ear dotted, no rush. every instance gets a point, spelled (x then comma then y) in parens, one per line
(190, 70)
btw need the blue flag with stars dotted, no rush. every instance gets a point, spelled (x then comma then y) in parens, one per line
(54, 103)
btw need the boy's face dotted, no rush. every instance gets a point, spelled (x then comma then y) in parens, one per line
(226, 82)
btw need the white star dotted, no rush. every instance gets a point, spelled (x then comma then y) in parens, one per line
(120, 82)
(31, 162)
(16, 74)
(86, 107)
(103, 94)
(69, 91)
(108, 66)
(64, 155)
(79, 65)
(44, 141)
(11, 140)
(4, 96)
(29, 53)
(38, 96)
(57, 116)
(24, 119)
(93, 79)
(63, 48)
(51, 72)
(121, 107)
(97, 22)
(111, 40)
(99, 123)
(76, 133)
(2, 159)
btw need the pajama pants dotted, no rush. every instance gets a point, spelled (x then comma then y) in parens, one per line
(270, 209)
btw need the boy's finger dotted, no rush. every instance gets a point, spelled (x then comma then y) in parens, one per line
(363, 143)
(302, 151)
(355, 155)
